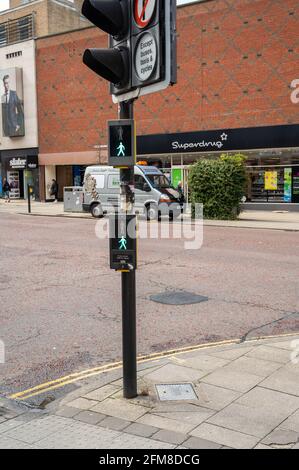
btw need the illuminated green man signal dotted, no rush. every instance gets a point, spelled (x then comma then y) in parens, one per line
(121, 150)
(122, 243)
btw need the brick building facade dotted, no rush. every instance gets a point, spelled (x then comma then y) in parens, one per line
(236, 63)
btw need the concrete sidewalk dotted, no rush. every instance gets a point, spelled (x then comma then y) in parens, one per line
(276, 220)
(39, 209)
(246, 396)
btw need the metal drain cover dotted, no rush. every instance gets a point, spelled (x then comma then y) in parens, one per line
(176, 392)
(178, 298)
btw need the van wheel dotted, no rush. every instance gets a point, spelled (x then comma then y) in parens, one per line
(96, 210)
(152, 212)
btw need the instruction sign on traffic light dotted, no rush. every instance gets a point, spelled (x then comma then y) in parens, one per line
(123, 242)
(121, 143)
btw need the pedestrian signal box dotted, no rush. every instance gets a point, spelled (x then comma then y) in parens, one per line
(121, 143)
(123, 242)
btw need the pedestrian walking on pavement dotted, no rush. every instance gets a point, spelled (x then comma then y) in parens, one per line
(54, 190)
(6, 190)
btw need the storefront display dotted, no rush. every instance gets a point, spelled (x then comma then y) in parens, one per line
(271, 180)
(287, 185)
(20, 169)
(272, 155)
(13, 178)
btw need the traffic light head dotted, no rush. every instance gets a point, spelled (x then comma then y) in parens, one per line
(112, 16)
(110, 64)
(109, 15)
(121, 143)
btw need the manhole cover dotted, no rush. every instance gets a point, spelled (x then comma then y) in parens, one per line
(178, 298)
(176, 392)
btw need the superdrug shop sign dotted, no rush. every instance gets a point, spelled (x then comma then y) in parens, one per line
(220, 140)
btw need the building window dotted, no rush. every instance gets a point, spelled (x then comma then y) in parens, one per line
(24, 28)
(3, 35)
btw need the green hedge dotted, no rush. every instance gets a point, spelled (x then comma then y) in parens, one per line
(219, 185)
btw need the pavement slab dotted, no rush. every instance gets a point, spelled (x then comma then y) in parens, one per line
(120, 409)
(232, 380)
(203, 362)
(292, 422)
(117, 424)
(214, 397)
(101, 393)
(170, 436)
(141, 430)
(9, 443)
(275, 402)
(166, 423)
(281, 437)
(90, 417)
(172, 373)
(197, 443)
(254, 366)
(224, 436)
(252, 421)
(38, 429)
(284, 380)
(268, 353)
(82, 403)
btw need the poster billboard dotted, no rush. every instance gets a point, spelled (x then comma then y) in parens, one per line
(287, 185)
(271, 180)
(12, 102)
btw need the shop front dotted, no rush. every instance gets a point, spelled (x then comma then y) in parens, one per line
(272, 157)
(20, 168)
(67, 169)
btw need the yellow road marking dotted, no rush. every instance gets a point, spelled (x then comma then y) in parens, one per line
(75, 377)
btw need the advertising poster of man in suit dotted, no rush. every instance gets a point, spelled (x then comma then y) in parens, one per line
(12, 104)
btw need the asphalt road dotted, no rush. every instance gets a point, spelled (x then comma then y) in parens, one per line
(61, 306)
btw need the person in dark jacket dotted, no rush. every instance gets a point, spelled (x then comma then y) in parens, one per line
(6, 189)
(54, 190)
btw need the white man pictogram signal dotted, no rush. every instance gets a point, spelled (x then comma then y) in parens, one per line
(143, 12)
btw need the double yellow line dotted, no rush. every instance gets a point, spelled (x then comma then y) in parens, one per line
(77, 376)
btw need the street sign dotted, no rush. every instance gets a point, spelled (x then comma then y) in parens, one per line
(121, 143)
(123, 242)
(145, 56)
(143, 12)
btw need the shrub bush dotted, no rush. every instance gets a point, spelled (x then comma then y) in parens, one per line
(219, 185)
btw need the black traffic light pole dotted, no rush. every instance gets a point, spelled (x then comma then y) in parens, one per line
(29, 198)
(128, 282)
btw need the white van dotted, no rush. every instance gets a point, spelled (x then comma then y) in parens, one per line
(154, 195)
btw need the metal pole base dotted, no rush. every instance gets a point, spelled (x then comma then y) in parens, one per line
(129, 334)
